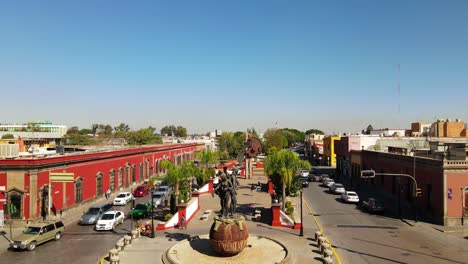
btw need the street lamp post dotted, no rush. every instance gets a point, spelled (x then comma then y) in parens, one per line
(152, 212)
(301, 233)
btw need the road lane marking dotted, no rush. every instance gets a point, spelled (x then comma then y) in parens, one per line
(338, 259)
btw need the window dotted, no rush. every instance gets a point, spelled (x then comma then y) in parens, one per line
(127, 175)
(78, 191)
(59, 224)
(120, 177)
(99, 184)
(134, 173)
(112, 180)
(49, 228)
(141, 171)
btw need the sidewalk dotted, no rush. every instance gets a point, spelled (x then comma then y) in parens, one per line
(68, 217)
(300, 249)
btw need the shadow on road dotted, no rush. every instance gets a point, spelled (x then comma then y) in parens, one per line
(176, 236)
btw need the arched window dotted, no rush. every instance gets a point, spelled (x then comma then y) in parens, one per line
(141, 170)
(112, 180)
(120, 177)
(15, 204)
(99, 184)
(79, 191)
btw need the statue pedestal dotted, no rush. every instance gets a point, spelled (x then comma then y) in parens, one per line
(228, 237)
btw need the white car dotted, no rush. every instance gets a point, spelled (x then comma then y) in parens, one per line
(328, 183)
(158, 199)
(304, 173)
(164, 189)
(110, 220)
(123, 198)
(350, 197)
(337, 188)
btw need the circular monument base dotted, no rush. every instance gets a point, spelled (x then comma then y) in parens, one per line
(259, 250)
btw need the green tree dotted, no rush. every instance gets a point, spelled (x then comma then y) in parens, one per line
(86, 131)
(168, 130)
(77, 139)
(282, 166)
(293, 135)
(8, 136)
(143, 136)
(94, 129)
(73, 130)
(274, 139)
(122, 127)
(208, 158)
(181, 131)
(369, 129)
(314, 131)
(178, 176)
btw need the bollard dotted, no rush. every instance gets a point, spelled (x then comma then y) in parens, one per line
(120, 246)
(113, 252)
(134, 234)
(327, 253)
(114, 260)
(321, 240)
(317, 235)
(127, 240)
(324, 247)
(327, 260)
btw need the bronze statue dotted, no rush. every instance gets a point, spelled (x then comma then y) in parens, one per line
(224, 191)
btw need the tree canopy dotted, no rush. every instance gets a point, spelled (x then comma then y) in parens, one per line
(274, 139)
(172, 130)
(314, 131)
(8, 136)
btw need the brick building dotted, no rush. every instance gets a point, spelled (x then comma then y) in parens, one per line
(444, 182)
(26, 180)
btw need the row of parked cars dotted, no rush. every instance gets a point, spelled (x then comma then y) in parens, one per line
(102, 215)
(370, 204)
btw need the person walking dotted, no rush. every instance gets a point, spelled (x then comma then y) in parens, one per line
(182, 222)
(108, 192)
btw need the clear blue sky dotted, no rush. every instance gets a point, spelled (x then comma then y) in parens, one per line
(230, 65)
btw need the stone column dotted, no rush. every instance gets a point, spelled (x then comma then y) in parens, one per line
(33, 195)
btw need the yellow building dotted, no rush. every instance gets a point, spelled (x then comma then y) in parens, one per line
(329, 156)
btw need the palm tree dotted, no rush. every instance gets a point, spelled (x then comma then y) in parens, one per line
(177, 175)
(207, 157)
(284, 164)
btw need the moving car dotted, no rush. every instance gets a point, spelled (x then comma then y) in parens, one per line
(337, 188)
(304, 173)
(304, 181)
(94, 213)
(110, 220)
(140, 191)
(123, 198)
(141, 210)
(158, 199)
(350, 197)
(373, 205)
(165, 189)
(38, 233)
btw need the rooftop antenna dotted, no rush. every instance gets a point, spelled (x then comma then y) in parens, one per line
(398, 86)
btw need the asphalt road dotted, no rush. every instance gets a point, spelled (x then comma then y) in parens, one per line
(79, 244)
(360, 237)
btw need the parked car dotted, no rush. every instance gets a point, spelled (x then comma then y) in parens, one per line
(337, 188)
(165, 189)
(327, 183)
(123, 198)
(141, 210)
(140, 191)
(311, 177)
(304, 173)
(324, 176)
(38, 233)
(94, 213)
(158, 199)
(110, 220)
(373, 205)
(350, 197)
(304, 181)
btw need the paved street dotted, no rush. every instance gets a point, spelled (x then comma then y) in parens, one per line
(360, 237)
(80, 244)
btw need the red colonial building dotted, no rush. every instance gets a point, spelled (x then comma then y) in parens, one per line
(25, 180)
